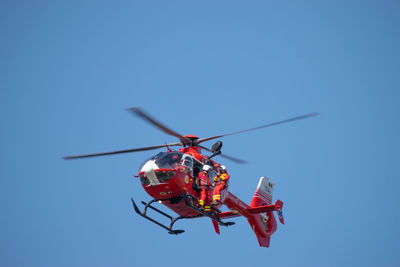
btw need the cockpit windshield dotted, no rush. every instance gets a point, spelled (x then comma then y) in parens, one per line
(167, 160)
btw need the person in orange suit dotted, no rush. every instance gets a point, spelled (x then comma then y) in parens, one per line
(220, 181)
(204, 182)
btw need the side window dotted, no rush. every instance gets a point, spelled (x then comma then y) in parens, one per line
(197, 167)
(187, 164)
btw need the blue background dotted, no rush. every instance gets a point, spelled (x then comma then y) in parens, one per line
(69, 69)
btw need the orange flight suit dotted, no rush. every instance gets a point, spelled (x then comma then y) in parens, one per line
(204, 180)
(220, 182)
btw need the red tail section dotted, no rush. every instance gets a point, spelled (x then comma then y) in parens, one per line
(259, 213)
(263, 196)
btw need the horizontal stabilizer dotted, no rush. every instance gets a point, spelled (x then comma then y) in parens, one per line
(261, 209)
(266, 208)
(255, 210)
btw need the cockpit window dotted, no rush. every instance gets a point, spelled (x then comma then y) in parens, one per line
(152, 158)
(188, 161)
(168, 160)
(187, 164)
(197, 167)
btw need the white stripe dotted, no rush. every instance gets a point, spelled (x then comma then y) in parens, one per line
(263, 195)
(267, 200)
(264, 201)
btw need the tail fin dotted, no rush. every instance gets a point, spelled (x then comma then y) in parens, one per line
(263, 194)
(265, 221)
(278, 208)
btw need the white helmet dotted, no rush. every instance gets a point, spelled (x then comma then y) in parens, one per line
(206, 168)
(223, 167)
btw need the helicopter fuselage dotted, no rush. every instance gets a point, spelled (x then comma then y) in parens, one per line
(170, 175)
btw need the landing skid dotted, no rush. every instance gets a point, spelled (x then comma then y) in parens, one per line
(143, 214)
(190, 201)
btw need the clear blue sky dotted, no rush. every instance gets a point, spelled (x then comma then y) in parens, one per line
(69, 69)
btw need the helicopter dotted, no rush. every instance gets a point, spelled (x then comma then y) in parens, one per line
(170, 178)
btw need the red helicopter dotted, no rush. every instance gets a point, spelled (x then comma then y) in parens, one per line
(170, 179)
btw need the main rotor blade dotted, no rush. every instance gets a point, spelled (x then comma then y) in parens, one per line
(259, 127)
(120, 151)
(226, 156)
(139, 112)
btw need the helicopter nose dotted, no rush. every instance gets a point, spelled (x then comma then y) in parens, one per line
(149, 168)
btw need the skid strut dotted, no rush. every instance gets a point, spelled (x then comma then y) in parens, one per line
(189, 200)
(143, 214)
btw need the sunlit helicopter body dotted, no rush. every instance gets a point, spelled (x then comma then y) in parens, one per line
(170, 179)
